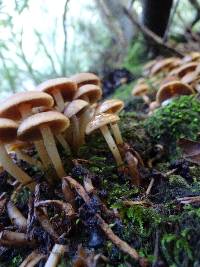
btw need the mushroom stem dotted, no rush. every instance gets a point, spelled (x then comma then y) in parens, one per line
(52, 151)
(63, 142)
(112, 145)
(55, 256)
(41, 150)
(59, 100)
(23, 156)
(16, 216)
(84, 120)
(13, 169)
(117, 133)
(25, 110)
(75, 133)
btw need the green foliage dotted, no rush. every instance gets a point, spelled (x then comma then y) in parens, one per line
(16, 261)
(180, 118)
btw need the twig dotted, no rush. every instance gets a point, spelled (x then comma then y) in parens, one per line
(122, 245)
(65, 38)
(152, 36)
(9, 238)
(55, 256)
(189, 200)
(16, 216)
(150, 186)
(32, 259)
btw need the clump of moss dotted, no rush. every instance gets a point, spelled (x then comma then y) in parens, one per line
(180, 118)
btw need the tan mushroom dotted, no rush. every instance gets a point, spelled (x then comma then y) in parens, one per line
(100, 122)
(193, 56)
(73, 112)
(165, 65)
(8, 132)
(85, 78)
(18, 147)
(90, 93)
(183, 70)
(43, 126)
(141, 89)
(61, 89)
(20, 105)
(171, 90)
(112, 106)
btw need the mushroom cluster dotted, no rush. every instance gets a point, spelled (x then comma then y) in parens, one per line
(60, 110)
(168, 78)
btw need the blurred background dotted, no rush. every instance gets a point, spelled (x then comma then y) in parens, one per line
(47, 39)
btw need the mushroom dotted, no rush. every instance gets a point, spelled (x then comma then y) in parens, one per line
(85, 78)
(141, 89)
(183, 70)
(165, 64)
(20, 105)
(61, 89)
(43, 126)
(193, 56)
(17, 147)
(191, 77)
(90, 93)
(100, 122)
(112, 106)
(73, 112)
(171, 90)
(8, 132)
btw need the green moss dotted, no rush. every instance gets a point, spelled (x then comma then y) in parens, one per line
(180, 118)
(177, 180)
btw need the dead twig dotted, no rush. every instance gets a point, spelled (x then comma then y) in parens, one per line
(55, 256)
(189, 200)
(9, 238)
(16, 217)
(32, 259)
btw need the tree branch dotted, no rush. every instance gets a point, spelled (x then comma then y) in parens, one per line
(65, 38)
(152, 36)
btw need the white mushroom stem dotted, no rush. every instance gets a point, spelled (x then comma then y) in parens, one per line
(25, 111)
(41, 150)
(32, 259)
(52, 151)
(16, 216)
(59, 100)
(55, 256)
(13, 169)
(75, 132)
(84, 120)
(112, 145)
(23, 156)
(117, 133)
(63, 142)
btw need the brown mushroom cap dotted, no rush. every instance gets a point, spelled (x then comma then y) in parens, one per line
(172, 89)
(65, 86)
(101, 120)
(91, 91)
(190, 77)
(110, 106)
(85, 78)
(183, 70)
(29, 128)
(163, 63)
(18, 145)
(140, 89)
(193, 56)
(9, 108)
(75, 107)
(8, 130)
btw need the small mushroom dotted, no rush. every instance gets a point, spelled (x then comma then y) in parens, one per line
(43, 126)
(165, 64)
(141, 89)
(8, 132)
(171, 90)
(112, 106)
(90, 93)
(100, 122)
(61, 89)
(20, 105)
(85, 78)
(193, 56)
(18, 147)
(73, 112)
(183, 70)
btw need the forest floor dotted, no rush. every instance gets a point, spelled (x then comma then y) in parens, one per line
(153, 218)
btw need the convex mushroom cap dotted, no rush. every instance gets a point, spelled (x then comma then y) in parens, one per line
(163, 64)
(110, 106)
(183, 70)
(10, 108)
(75, 107)
(29, 128)
(89, 92)
(85, 78)
(61, 89)
(172, 89)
